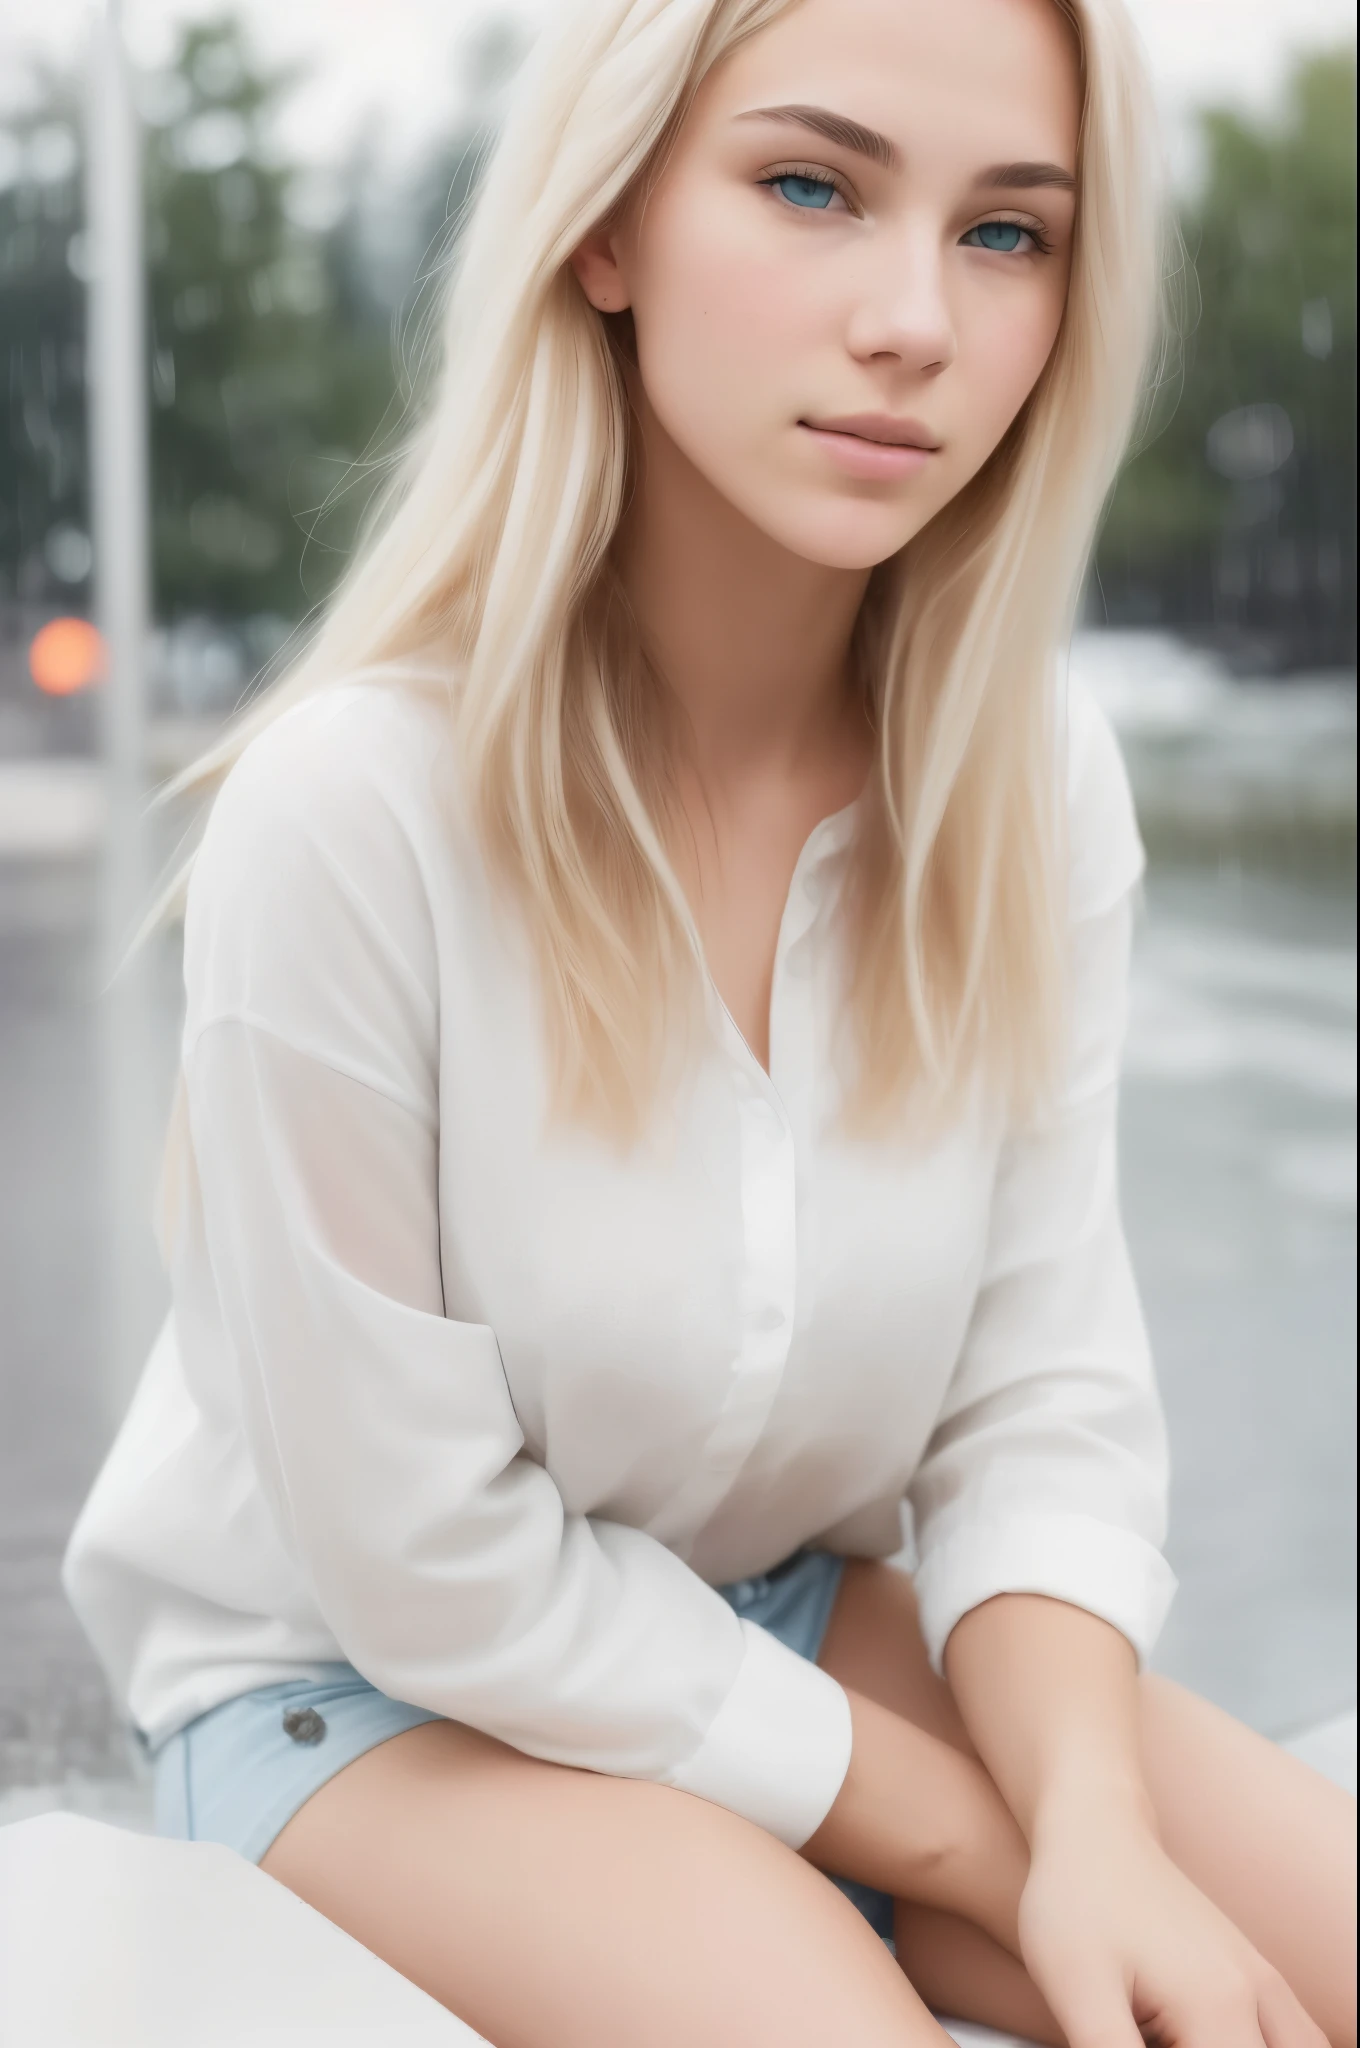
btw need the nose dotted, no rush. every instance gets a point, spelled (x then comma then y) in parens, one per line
(903, 315)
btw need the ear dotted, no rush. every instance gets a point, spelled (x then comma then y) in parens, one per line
(598, 273)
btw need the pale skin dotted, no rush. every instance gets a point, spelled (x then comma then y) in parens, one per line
(1079, 1854)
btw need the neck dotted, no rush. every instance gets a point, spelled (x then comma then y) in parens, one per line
(752, 641)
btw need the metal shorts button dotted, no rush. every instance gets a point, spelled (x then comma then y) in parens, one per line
(304, 1724)
(743, 1592)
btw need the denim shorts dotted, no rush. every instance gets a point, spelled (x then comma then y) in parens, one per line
(240, 1772)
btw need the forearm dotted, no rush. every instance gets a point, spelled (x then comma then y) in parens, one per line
(1049, 1695)
(922, 1821)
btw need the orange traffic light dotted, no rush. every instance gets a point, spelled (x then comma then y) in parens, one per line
(66, 655)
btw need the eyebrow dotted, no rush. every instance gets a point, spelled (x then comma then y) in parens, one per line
(867, 142)
(1024, 177)
(835, 128)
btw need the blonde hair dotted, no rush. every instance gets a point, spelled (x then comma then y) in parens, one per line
(492, 545)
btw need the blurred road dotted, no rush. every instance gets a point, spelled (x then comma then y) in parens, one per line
(1240, 1187)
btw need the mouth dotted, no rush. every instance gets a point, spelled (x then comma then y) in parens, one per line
(879, 428)
(873, 447)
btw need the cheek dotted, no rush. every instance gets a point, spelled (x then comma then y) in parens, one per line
(1006, 342)
(714, 318)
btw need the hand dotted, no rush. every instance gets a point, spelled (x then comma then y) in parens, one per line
(1126, 1950)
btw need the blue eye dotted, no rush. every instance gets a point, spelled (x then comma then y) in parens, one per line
(1002, 236)
(807, 192)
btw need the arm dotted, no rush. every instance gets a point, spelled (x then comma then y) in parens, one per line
(1049, 1695)
(1040, 1511)
(1116, 1937)
(441, 1555)
(921, 1821)
(1047, 1468)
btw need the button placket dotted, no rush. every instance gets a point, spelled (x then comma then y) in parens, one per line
(768, 1170)
(766, 1300)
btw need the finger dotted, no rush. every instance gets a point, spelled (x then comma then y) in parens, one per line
(1093, 2012)
(1283, 2021)
(1226, 2022)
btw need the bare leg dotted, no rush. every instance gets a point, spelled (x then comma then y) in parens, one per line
(553, 1908)
(1267, 1839)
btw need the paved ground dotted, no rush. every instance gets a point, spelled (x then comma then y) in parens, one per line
(1239, 1165)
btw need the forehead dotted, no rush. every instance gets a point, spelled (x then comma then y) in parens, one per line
(998, 79)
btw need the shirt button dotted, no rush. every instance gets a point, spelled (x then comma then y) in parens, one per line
(304, 1724)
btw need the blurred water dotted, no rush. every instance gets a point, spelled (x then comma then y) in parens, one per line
(1239, 1175)
(1239, 1168)
(1227, 764)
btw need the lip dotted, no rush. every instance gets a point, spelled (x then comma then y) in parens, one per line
(874, 445)
(881, 427)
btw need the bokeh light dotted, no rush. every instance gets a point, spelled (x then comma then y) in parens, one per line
(66, 655)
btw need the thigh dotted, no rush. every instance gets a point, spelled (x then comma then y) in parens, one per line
(1267, 1839)
(553, 1908)
(873, 1644)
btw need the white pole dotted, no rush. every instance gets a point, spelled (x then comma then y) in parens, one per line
(120, 498)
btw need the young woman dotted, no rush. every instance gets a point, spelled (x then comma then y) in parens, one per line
(655, 986)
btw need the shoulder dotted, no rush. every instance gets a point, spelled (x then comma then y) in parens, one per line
(318, 849)
(343, 753)
(352, 778)
(1104, 848)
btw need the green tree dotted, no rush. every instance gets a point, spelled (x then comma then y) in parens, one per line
(269, 366)
(266, 382)
(1239, 518)
(43, 543)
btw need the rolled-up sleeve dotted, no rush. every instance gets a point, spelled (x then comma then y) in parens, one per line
(438, 1551)
(1047, 1470)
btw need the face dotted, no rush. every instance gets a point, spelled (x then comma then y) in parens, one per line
(853, 267)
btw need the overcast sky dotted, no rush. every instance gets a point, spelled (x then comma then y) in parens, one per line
(399, 59)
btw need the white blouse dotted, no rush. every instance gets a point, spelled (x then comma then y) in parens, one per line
(488, 1409)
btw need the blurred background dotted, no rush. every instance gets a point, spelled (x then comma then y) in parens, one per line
(303, 166)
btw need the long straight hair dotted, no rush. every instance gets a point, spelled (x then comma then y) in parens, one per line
(491, 546)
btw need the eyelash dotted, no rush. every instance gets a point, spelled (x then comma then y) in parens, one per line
(1042, 246)
(819, 174)
(815, 174)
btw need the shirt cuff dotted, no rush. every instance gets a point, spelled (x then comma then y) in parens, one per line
(778, 1749)
(1077, 1558)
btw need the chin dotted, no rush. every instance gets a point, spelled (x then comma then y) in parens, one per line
(856, 536)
